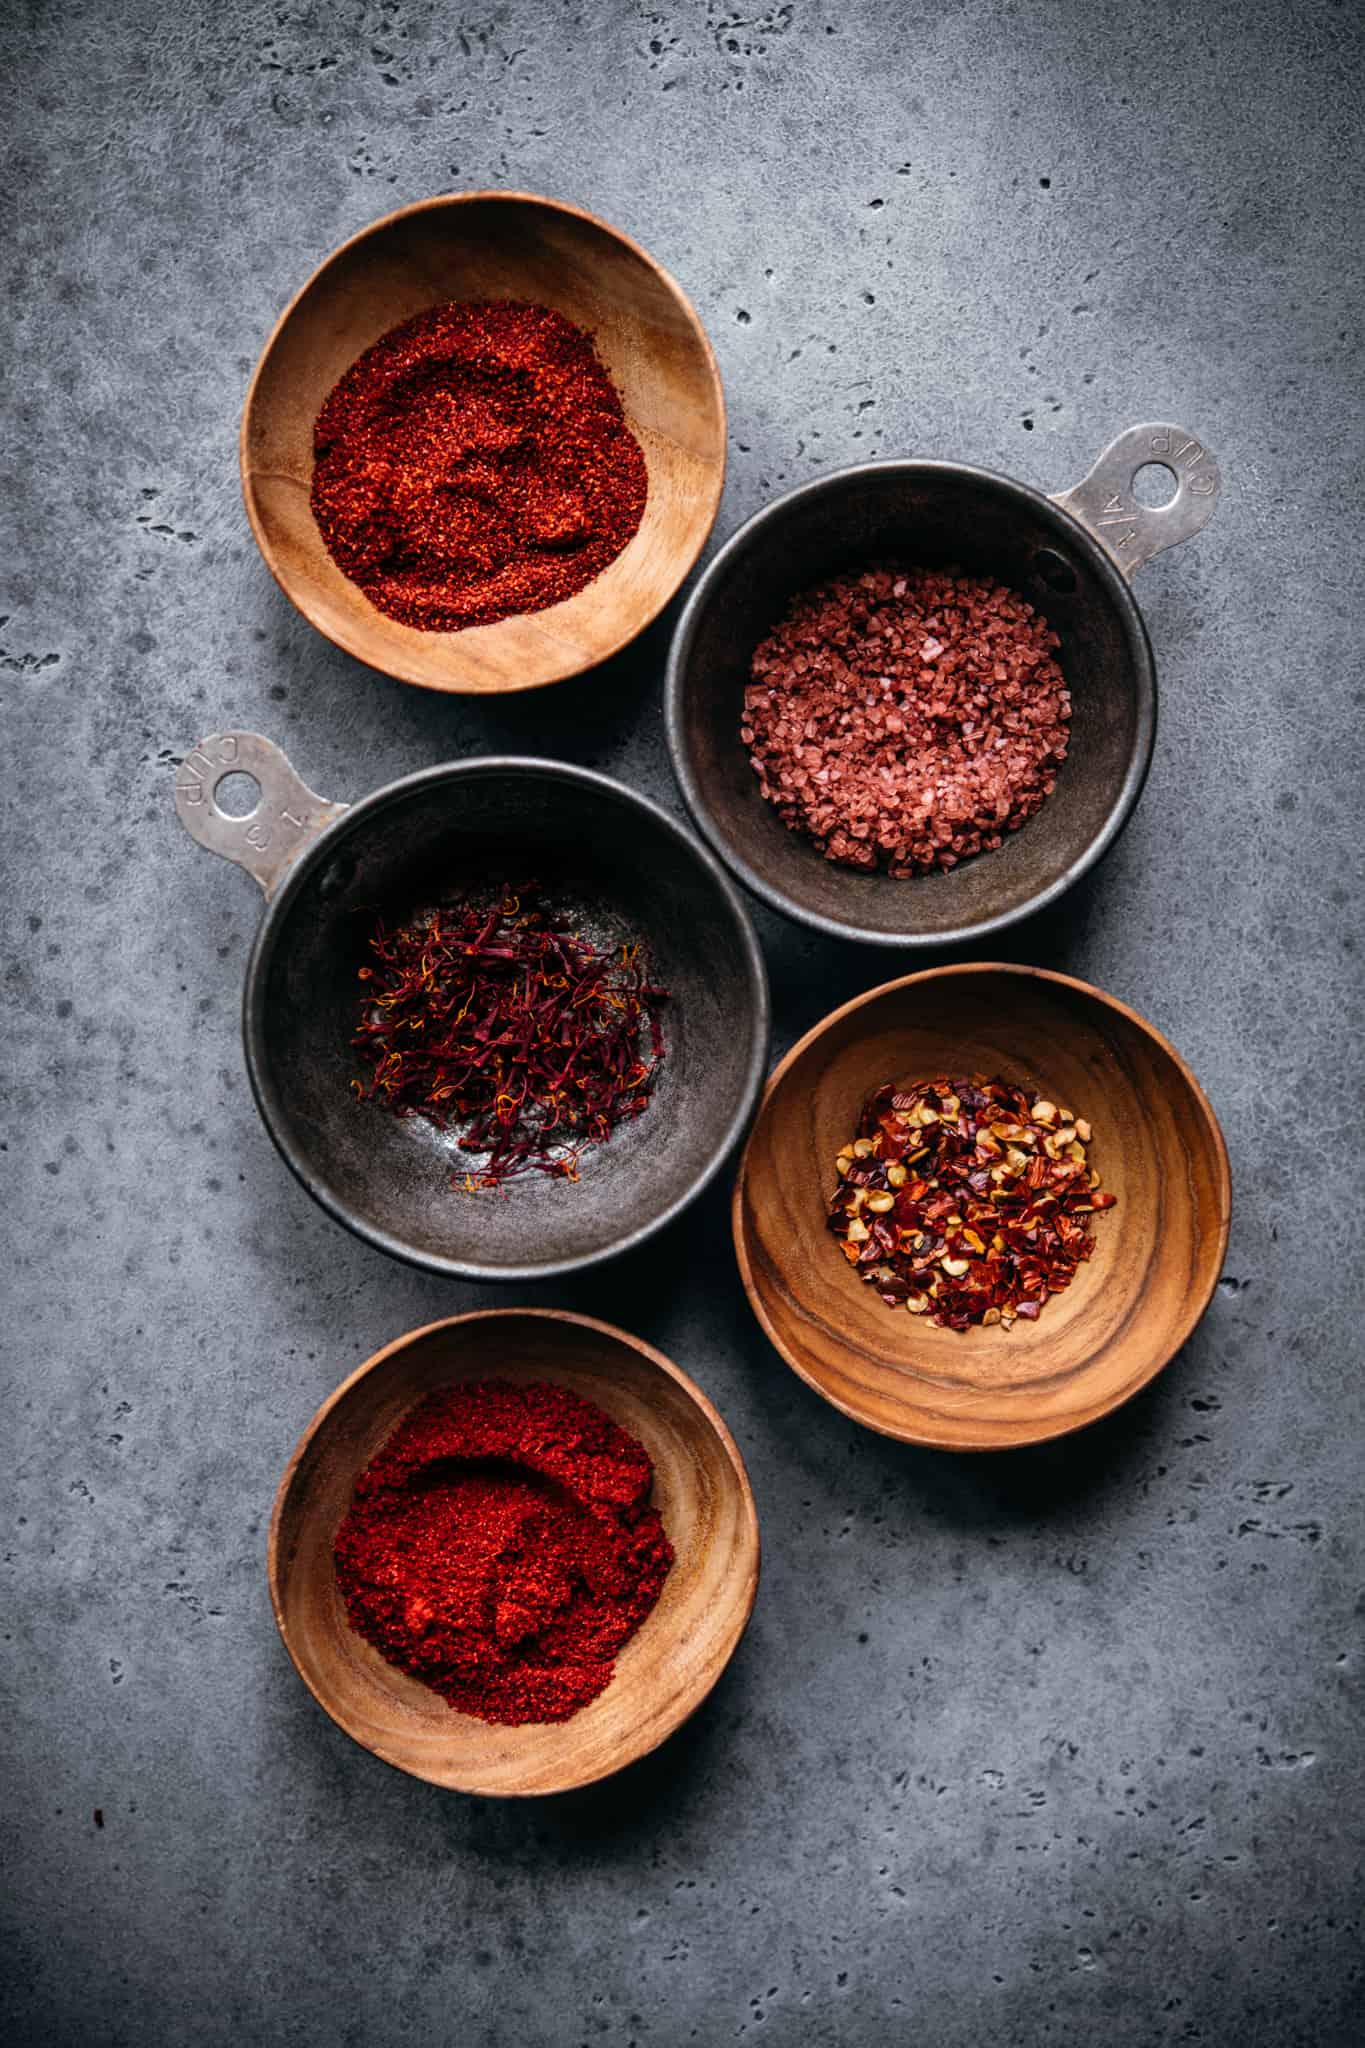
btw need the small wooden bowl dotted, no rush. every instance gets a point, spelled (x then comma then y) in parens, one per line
(491, 245)
(1157, 1256)
(666, 1669)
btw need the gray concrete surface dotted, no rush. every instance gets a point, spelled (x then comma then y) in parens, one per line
(1039, 1749)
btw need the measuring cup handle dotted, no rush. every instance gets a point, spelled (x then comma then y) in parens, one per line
(287, 816)
(1132, 532)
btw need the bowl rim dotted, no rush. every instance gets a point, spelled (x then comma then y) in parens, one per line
(834, 481)
(1212, 1128)
(656, 1358)
(358, 815)
(707, 513)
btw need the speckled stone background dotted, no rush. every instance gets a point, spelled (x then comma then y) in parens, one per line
(1045, 1748)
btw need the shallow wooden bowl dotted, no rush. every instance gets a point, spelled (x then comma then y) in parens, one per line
(1157, 1256)
(491, 245)
(667, 1668)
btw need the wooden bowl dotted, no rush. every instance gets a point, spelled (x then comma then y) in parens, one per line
(491, 245)
(1157, 1256)
(666, 1669)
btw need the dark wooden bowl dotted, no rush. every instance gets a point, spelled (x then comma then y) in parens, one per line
(666, 1669)
(931, 513)
(491, 245)
(1157, 1257)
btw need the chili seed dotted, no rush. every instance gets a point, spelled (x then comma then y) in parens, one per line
(1000, 1235)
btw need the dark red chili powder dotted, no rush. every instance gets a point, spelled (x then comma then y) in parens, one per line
(500, 1549)
(473, 463)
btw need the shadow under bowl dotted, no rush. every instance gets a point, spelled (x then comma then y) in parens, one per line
(932, 514)
(1157, 1257)
(491, 245)
(669, 1665)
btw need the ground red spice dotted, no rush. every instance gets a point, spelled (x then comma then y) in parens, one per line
(907, 718)
(475, 462)
(500, 1549)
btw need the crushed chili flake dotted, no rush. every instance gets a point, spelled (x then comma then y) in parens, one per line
(476, 462)
(966, 1200)
(494, 1012)
(906, 718)
(501, 1548)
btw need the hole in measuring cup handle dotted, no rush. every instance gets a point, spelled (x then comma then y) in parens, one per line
(1154, 484)
(237, 794)
(265, 837)
(1118, 513)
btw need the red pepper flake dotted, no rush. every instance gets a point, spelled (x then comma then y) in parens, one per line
(500, 1548)
(907, 718)
(473, 463)
(963, 1200)
(494, 1013)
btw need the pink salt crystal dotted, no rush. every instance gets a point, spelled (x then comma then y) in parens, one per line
(923, 782)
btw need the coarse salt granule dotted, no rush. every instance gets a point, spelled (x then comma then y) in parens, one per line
(907, 718)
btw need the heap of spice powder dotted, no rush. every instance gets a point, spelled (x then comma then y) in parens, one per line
(492, 1012)
(473, 463)
(966, 1201)
(907, 718)
(500, 1548)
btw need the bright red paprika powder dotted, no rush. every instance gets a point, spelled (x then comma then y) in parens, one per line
(500, 1549)
(473, 463)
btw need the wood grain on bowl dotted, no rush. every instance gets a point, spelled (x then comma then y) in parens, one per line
(492, 245)
(1157, 1256)
(667, 1668)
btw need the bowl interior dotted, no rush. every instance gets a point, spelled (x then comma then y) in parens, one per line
(622, 872)
(921, 514)
(669, 1665)
(492, 246)
(1157, 1255)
